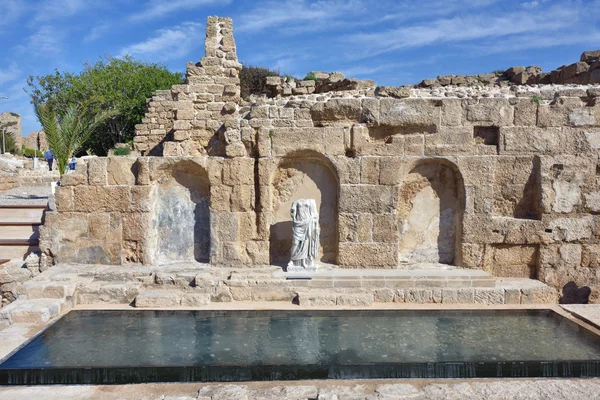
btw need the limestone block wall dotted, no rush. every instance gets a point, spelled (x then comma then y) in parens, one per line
(504, 179)
(199, 117)
(11, 122)
(151, 210)
(36, 140)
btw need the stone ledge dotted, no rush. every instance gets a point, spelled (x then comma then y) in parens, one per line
(36, 311)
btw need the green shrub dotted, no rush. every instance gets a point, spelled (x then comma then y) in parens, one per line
(253, 80)
(27, 152)
(536, 99)
(122, 151)
(498, 71)
(310, 77)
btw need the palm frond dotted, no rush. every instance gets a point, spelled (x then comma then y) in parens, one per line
(66, 133)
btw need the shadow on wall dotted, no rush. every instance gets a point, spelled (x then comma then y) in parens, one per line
(429, 215)
(280, 241)
(181, 217)
(530, 205)
(304, 178)
(573, 294)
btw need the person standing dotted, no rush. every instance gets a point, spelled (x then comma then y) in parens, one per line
(49, 156)
(72, 164)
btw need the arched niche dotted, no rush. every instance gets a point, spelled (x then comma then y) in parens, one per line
(306, 176)
(180, 221)
(430, 208)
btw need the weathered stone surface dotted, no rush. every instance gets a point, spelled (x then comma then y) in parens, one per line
(489, 296)
(158, 299)
(375, 255)
(195, 299)
(473, 171)
(121, 170)
(337, 110)
(101, 198)
(316, 299)
(286, 142)
(367, 198)
(409, 112)
(97, 174)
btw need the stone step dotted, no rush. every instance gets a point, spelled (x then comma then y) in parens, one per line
(110, 292)
(171, 298)
(17, 251)
(389, 278)
(506, 291)
(16, 213)
(21, 232)
(36, 311)
(49, 290)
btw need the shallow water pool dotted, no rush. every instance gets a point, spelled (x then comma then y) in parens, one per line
(179, 346)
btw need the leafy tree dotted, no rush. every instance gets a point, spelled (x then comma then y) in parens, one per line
(253, 80)
(66, 132)
(120, 86)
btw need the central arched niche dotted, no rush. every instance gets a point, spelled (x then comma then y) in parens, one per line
(310, 176)
(181, 214)
(430, 214)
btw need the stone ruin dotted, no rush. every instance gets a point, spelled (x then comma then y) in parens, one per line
(11, 123)
(501, 178)
(36, 140)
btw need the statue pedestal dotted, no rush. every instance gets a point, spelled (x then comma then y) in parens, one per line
(297, 268)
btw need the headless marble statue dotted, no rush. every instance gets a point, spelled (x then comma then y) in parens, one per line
(305, 236)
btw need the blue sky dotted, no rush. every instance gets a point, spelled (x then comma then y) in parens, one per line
(392, 42)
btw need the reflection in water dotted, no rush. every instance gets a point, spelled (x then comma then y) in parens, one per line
(196, 338)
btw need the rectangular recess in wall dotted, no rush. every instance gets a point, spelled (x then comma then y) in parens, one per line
(385, 132)
(487, 135)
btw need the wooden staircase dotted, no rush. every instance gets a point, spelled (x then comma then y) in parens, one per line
(19, 231)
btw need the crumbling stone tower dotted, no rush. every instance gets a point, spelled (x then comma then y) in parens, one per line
(199, 117)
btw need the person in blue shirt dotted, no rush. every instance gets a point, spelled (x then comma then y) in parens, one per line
(49, 156)
(72, 164)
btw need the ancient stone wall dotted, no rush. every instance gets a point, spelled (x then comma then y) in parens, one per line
(503, 179)
(36, 140)
(11, 122)
(199, 117)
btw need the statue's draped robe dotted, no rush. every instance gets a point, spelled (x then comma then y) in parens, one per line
(305, 236)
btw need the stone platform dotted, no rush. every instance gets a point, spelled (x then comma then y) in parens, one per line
(197, 285)
(432, 277)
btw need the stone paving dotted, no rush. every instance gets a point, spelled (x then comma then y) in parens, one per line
(589, 313)
(556, 389)
(25, 196)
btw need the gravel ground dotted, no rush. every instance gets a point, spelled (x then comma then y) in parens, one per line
(25, 196)
(476, 389)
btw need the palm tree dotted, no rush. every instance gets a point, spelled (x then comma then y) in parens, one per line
(66, 133)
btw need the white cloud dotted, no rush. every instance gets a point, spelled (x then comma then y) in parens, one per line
(300, 16)
(46, 41)
(9, 74)
(159, 8)
(168, 43)
(97, 32)
(462, 28)
(297, 15)
(54, 9)
(533, 4)
(537, 41)
(9, 11)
